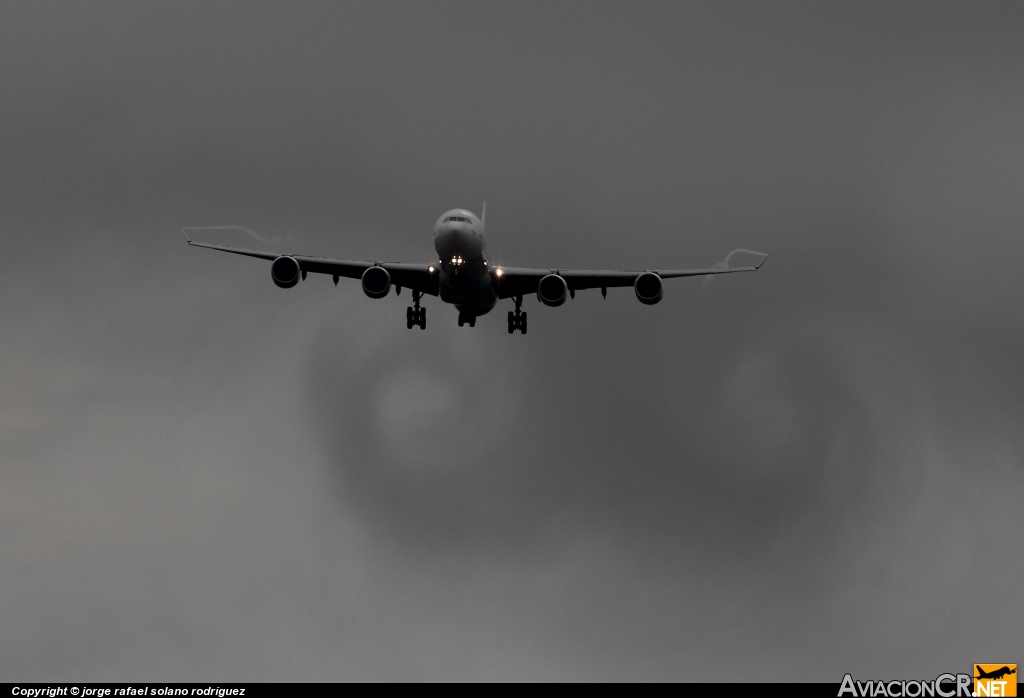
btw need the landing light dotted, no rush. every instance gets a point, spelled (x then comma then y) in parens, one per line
(498, 272)
(430, 269)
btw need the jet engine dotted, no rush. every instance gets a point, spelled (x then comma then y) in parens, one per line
(376, 282)
(552, 290)
(648, 288)
(285, 272)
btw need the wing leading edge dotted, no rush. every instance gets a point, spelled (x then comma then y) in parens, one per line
(509, 281)
(514, 281)
(417, 277)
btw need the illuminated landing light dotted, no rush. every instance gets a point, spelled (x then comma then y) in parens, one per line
(431, 268)
(498, 272)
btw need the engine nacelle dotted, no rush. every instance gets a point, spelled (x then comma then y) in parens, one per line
(376, 282)
(552, 290)
(648, 288)
(285, 272)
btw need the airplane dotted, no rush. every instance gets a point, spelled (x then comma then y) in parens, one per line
(464, 277)
(995, 674)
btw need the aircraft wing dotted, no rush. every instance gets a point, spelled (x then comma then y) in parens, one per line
(515, 281)
(418, 277)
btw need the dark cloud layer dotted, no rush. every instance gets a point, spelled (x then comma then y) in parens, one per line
(786, 475)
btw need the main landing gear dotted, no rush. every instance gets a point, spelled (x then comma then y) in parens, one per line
(416, 315)
(466, 319)
(517, 319)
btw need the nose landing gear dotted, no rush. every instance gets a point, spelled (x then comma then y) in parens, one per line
(517, 319)
(466, 319)
(416, 315)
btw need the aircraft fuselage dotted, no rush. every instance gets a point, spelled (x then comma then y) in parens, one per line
(465, 273)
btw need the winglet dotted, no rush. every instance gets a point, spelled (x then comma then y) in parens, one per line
(186, 236)
(761, 262)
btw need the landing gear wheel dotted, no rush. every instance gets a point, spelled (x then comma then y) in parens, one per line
(416, 315)
(472, 321)
(462, 319)
(517, 318)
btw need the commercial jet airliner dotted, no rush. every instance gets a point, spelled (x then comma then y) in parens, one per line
(464, 277)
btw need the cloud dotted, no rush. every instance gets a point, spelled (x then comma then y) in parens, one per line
(205, 475)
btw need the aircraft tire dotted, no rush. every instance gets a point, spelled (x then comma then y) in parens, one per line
(462, 319)
(511, 322)
(522, 323)
(423, 319)
(408, 318)
(472, 321)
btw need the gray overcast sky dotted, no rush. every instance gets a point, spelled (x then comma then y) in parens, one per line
(788, 475)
